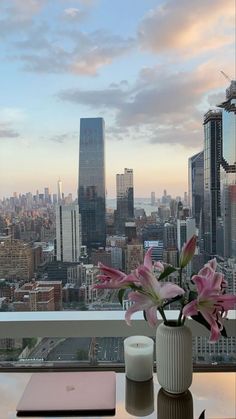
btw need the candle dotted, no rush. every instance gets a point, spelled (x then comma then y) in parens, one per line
(138, 352)
(139, 398)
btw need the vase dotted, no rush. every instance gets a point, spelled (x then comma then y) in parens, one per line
(174, 357)
(172, 406)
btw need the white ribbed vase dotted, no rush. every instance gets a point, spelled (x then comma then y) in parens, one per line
(174, 358)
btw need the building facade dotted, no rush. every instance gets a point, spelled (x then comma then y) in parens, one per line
(16, 260)
(91, 190)
(212, 159)
(68, 233)
(125, 199)
(228, 171)
(196, 185)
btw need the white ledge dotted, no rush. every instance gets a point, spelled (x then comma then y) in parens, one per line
(90, 323)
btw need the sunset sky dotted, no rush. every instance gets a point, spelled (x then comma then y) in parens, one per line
(150, 68)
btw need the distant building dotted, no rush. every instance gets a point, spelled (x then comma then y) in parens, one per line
(59, 191)
(133, 256)
(228, 171)
(170, 236)
(91, 190)
(196, 185)
(185, 230)
(212, 159)
(116, 257)
(68, 233)
(130, 231)
(170, 257)
(157, 249)
(16, 260)
(38, 296)
(101, 255)
(153, 198)
(125, 199)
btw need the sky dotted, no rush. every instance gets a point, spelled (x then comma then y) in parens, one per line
(150, 68)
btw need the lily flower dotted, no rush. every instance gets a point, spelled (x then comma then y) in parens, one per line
(112, 278)
(215, 280)
(212, 305)
(151, 296)
(188, 251)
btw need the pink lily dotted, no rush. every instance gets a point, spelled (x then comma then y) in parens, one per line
(211, 304)
(112, 278)
(188, 251)
(215, 280)
(152, 295)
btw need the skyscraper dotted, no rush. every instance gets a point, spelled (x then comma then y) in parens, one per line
(68, 233)
(91, 191)
(212, 159)
(59, 191)
(125, 199)
(196, 185)
(228, 172)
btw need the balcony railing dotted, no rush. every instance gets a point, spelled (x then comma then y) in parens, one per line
(90, 323)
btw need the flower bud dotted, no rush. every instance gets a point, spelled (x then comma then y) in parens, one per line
(188, 251)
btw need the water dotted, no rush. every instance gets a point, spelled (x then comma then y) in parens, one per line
(144, 203)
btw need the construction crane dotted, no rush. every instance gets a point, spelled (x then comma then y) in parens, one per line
(225, 75)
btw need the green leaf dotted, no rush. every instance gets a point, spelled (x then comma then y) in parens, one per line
(202, 415)
(168, 270)
(121, 295)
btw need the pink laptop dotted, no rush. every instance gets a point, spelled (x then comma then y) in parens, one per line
(68, 394)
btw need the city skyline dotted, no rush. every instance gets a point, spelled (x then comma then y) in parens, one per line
(151, 78)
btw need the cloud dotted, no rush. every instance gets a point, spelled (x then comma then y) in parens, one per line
(191, 28)
(73, 14)
(106, 98)
(160, 107)
(64, 138)
(6, 132)
(17, 16)
(51, 54)
(57, 48)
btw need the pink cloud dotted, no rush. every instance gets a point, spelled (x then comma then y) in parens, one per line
(192, 27)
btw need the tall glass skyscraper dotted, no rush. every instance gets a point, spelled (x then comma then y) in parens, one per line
(91, 190)
(196, 185)
(228, 172)
(212, 159)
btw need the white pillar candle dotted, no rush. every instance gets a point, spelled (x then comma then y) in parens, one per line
(138, 352)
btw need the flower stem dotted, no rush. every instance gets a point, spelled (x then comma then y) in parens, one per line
(162, 313)
(179, 318)
(180, 277)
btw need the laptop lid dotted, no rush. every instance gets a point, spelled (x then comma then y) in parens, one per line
(69, 393)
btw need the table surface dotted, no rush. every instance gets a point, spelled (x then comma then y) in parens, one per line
(214, 392)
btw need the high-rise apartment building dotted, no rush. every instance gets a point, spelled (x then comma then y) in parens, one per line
(91, 190)
(196, 185)
(212, 159)
(68, 233)
(170, 236)
(228, 172)
(125, 199)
